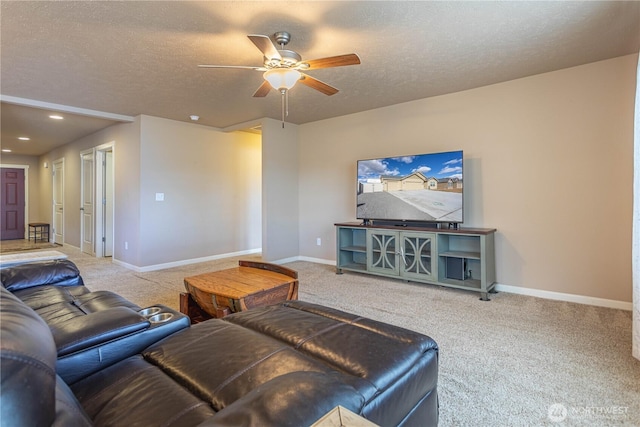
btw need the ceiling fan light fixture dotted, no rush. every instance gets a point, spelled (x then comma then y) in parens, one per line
(282, 78)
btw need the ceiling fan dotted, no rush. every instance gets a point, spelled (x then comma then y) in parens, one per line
(283, 68)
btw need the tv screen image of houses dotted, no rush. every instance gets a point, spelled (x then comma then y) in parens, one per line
(425, 187)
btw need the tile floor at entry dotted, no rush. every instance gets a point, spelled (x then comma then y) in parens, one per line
(8, 246)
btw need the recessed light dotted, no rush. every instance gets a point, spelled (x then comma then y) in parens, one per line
(24, 138)
(194, 117)
(56, 117)
(6, 150)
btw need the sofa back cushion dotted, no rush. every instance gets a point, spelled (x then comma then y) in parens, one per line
(59, 272)
(28, 377)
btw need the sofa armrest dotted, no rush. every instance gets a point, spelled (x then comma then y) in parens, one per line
(96, 328)
(72, 367)
(60, 272)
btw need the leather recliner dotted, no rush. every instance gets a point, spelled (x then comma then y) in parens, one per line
(91, 330)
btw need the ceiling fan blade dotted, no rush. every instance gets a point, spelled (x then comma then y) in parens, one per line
(263, 90)
(317, 85)
(333, 61)
(266, 46)
(242, 67)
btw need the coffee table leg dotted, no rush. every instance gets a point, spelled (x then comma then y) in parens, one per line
(189, 307)
(221, 310)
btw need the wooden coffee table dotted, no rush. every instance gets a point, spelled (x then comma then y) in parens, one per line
(251, 284)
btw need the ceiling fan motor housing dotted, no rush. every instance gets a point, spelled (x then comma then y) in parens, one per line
(288, 59)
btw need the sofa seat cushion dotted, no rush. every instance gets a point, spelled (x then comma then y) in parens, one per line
(42, 296)
(243, 359)
(57, 314)
(134, 392)
(337, 339)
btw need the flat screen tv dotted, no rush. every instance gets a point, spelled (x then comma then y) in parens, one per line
(424, 187)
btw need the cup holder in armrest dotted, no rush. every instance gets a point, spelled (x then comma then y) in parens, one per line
(148, 312)
(160, 318)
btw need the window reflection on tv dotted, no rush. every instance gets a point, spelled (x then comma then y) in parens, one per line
(424, 187)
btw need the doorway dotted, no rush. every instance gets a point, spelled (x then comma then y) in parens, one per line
(87, 205)
(96, 224)
(104, 214)
(13, 211)
(57, 234)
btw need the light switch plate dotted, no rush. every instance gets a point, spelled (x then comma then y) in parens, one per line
(159, 197)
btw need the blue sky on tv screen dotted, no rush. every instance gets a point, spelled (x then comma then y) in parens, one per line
(437, 165)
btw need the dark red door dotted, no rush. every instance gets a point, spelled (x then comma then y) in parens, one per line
(12, 204)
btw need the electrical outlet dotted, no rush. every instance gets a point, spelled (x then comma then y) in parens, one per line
(319, 241)
(159, 197)
(126, 246)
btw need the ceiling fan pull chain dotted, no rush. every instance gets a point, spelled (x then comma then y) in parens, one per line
(283, 91)
(286, 103)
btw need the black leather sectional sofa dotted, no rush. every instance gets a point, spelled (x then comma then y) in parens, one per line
(69, 356)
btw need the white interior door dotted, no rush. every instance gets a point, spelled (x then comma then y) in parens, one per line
(108, 204)
(58, 202)
(87, 202)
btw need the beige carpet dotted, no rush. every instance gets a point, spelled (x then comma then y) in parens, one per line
(513, 361)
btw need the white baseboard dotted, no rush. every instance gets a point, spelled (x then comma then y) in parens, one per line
(304, 258)
(285, 260)
(318, 260)
(559, 296)
(184, 262)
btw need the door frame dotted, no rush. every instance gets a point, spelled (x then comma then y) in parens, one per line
(26, 194)
(101, 213)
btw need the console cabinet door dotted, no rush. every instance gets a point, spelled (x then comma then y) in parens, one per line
(416, 255)
(383, 252)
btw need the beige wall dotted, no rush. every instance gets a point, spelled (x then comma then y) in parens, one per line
(212, 186)
(280, 190)
(548, 162)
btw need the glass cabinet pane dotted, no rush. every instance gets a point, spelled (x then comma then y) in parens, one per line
(417, 254)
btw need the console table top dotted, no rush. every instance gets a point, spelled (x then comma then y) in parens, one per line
(461, 230)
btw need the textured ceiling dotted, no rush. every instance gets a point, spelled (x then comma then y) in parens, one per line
(140, 57)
